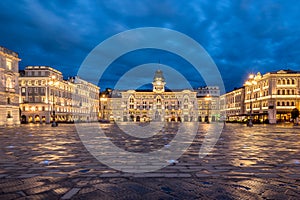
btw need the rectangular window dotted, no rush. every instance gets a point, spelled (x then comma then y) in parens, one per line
(8, 64)
(23, 90)
(9, 114)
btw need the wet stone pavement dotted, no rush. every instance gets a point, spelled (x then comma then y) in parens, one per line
(44, 162)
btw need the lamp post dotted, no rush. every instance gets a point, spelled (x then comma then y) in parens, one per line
(251, 82)
(52, 82)
(207, 99)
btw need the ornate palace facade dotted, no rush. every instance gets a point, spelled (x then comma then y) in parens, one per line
(160, 104)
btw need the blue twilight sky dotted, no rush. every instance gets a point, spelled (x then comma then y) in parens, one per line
(241, 36)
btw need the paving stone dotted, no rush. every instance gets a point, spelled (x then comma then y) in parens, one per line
(70, 193)
(255, 163)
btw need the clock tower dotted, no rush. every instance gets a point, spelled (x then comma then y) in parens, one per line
(158, 82)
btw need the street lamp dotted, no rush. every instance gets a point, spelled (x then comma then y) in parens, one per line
(52, 82)
(207, 99)
(251, 82)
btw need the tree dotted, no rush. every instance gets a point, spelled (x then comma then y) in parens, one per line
(295, 114)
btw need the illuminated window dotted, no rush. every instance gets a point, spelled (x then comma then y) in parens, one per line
(8, 64)
(131, 100)
(9, 114)
(283, 82)
(8, 83)
(278, 82)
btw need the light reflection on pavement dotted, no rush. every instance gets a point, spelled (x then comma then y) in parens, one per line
(42, 162)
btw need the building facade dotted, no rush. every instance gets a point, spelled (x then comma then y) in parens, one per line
(272, 96)
(160, 104)
(267, 98)
(9, 88)
(208, 99)
(232, 105)
(44, 94)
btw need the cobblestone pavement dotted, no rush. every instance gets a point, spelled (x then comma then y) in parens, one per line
(44, 162)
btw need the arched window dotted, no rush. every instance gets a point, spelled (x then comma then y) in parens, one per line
(282, 103)
(287, 103)
(278, 82)
(278, 103)
(293, 81)
(158, 100)
(292, 104)
(8, 82)
(283, 82)
(288, 81)
(131, 100)
(278, 92)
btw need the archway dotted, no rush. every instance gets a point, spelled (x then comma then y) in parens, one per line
(200, 119)
(37, 118)
(23, 119)
(131, 118)
(145, 118)
(125, 119)
(30, 119)
(186, 118)
(179, 119)
(206, 119)
(213, 118)
(138, 118)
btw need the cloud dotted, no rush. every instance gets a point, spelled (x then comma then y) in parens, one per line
(242, 36)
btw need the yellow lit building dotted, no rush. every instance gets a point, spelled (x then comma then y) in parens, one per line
(9, 88)
(45, 95)
(232, 105)
(208, 103)
(264, 98)
(273, 95)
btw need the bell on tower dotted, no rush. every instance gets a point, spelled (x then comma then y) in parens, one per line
(158, 82)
